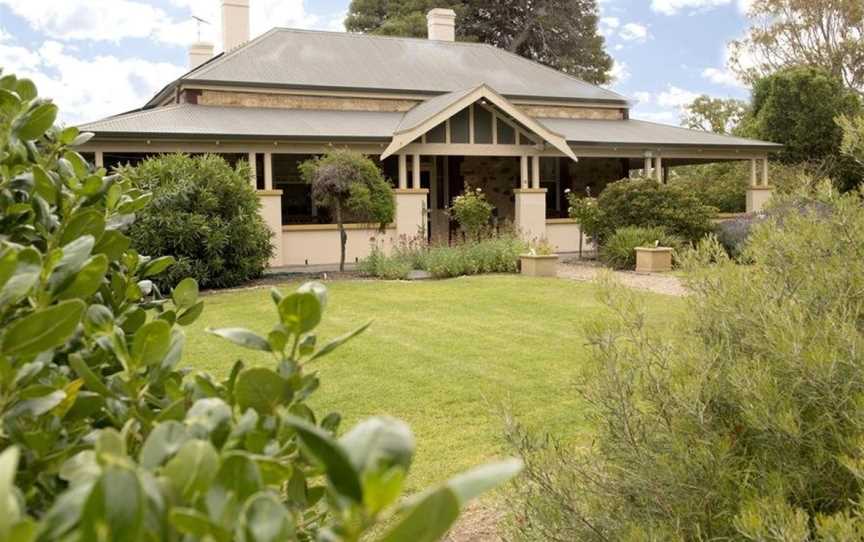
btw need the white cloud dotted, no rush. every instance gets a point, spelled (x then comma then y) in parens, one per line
(675, 97)
(642, 98)
(608, 25)
(620, 72)
(663, 117)
(724, 77)
(634, 32)
(673, 7)
(87, 89)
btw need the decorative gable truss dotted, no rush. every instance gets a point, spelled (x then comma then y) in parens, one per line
(473, 121)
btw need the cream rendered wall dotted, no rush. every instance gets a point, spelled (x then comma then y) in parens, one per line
(319, 244)
(563, 234)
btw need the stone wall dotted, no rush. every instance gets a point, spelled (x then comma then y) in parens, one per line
(496, 176)
(572, 112)
(593, 174)
(298, 101)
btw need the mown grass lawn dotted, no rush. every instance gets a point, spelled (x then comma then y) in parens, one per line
(449, 357)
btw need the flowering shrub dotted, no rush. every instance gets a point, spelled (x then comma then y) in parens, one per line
(472, 211)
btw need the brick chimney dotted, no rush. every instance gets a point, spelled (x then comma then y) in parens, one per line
(235, 23)
(441, 24)
(199, 53)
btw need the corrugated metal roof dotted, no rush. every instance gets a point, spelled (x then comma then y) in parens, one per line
(307, 58)
(205, 120)
(422, 111)
(639, 132)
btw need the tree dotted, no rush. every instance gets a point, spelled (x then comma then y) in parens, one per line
(204, 213)
(798, 107)
(559, 33)
(827, 34)
(352, 186)
(714, 114)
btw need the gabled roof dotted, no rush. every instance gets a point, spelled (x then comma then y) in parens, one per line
(339, 60)
(425, 116)
(632, 132)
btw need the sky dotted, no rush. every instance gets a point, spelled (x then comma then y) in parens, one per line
(97, 58)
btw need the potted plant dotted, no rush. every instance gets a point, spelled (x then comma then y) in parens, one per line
(540, 260)
(654, 259)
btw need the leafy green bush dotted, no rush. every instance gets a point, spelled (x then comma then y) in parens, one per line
(647, 203)
(205, 214)
(721, 185)
(745, 424)
(104, 438)
(472, 211)
(379, 264)
(733, 234)
(619, 250)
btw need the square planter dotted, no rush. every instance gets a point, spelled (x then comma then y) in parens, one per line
(539, 266)
(653, 259)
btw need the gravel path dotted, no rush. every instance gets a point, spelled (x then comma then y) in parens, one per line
(654, 282)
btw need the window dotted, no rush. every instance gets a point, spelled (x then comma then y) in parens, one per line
(296, 195)
(459, 127)
(525, 140)
(550, 179)
(482, 125)
(437, 134)
(506, 133)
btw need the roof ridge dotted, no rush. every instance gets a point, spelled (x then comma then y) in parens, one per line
(225, 55)
(375, 36)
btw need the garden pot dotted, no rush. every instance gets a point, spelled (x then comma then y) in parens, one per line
(535, 265)
(653, 259)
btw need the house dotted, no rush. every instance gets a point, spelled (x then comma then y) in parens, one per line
(437, 114)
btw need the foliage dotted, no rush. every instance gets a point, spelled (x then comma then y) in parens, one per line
(542, 247)
(586, 211)
(852, 144)
(102, 436)
(379, 264)
(472, 211)
(619, 249)
(820, 33)
(717, 115)
(350, 184)
(797, 107)
(733, 234)
(647, 203)
(746, 423)
(721, 185)
(205, 214)
(559, 33)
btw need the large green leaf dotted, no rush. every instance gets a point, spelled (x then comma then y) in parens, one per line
(9, 511)
(264, 519)
(88, 280)
(340, 472)
(379, 443)
(472, 483)
(300, 312)
(43, 329)
(157, 265)
(193, 468)
(242, 337)
(19, 271)
(112, 244)
(115, 508)
(194, 523)
(151, 342)
(87, 222)
(185, 294)
(91, 379)
(36, 121)
(163, 442)
(262, 389)
(339, 341)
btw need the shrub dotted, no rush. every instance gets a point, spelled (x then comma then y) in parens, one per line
(733, 234)
(380, 265)
(647, 203)
(351, 185)
(619, 250)
(471, 211)
(745, 424)
(205, 214)
(104, 438)
(491, 255)
(722, 185)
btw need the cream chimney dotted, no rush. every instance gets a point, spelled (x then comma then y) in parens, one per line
(199, 53)
(235, 23)
(441, 24)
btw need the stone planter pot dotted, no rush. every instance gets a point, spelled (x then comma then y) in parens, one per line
(653, 259)
(534, 265)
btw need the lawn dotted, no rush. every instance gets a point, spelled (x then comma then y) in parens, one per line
(449, 357)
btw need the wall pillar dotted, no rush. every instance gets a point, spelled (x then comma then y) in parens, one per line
(535, 173)
(531, 212)
(268, 171)
(658, 169)
(646, 171)
(411, 213)
(403, 172)
(253, 173)
(415, 172)
(523, 170)
(271, 212)
(99, 159)
(758, 193)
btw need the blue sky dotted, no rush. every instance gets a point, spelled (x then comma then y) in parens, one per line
(100, 57)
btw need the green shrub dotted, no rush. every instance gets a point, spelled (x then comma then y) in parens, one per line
(721, 185)
(380, 265)
(744, 424)
(104, 438)
(491, 255)
(647, 203)
(472, 211)
(619, 249)
(205, 214)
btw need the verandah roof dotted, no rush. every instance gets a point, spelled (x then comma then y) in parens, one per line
(199, 121)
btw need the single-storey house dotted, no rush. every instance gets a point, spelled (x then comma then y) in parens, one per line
(436, 114)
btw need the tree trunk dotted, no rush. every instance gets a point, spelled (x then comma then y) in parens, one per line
(343, 237)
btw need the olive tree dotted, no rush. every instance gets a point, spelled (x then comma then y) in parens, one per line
(352, 187)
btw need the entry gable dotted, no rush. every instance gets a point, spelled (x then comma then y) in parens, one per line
(431, 113)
